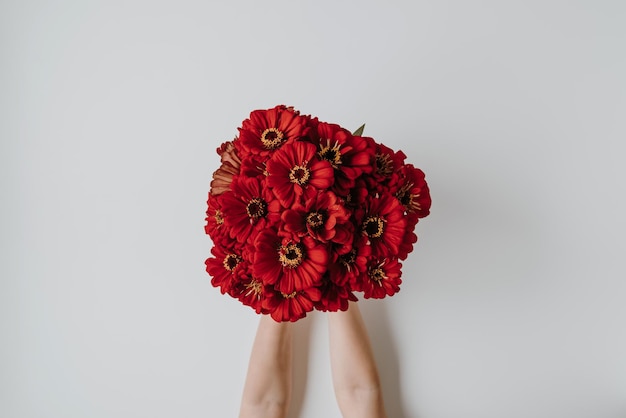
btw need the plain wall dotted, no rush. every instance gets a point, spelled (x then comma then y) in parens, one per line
(513, 302)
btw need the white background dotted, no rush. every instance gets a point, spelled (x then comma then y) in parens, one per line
(513, 302)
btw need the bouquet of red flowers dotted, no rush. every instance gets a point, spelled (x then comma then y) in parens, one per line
(303, 213)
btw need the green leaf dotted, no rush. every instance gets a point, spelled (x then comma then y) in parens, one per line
(359, 131)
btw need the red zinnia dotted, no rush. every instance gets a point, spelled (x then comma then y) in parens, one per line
(225, 268)
(231, 163)
(334, 297)
(412, 191)
(291, 306)
(383, 223)
(214, 218)
(348, 155)
(246, 207)
(253, 166)
(349, 266)
(410, 237)
(251, 292)
(268, 130)
(322, 217)
(386, 164)
(289, 265)
(358, 194)
(382, 278)
(295, 172)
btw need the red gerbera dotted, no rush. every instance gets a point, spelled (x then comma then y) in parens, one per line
(246, 208)
(288, 264)
(322, 217)
(295, 172)
(382, 278)
(348, 155)
(225, 268)
(290, 306)
(383, 224)
(268, 130)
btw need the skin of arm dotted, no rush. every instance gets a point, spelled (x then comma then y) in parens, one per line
(355, 376)
(267, 390)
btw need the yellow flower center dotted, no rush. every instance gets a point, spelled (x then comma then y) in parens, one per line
(256, 208)
(315, 219)
(255, 288)
(219, 218)
(331, 153)
(231, 261)
(373, 226)
(377, 274)
(299, 174)
(272, 138)
(384, 165)
(408, 200)
(348, 259)
(289, 296)
(290, 255)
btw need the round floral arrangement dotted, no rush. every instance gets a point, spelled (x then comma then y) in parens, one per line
(304, 213)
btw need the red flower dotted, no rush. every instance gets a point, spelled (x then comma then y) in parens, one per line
(225, 268)
(268, 130)
(291, 306)
(254, 166)
(410, 237)
(358, 194)
(287, 264)
(223, 176)
(387, 162)
(412, 191)
(251, 292)
(322, 217)
(348, 155)
(334, 298)
(246, 208)
(382, 278)
(295, 172)
(214, 218)
(348, 267)
(383, 224)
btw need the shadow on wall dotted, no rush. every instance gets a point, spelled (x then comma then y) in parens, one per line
(378, 326)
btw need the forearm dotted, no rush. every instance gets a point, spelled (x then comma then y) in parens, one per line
(267, 389)
(354, 372)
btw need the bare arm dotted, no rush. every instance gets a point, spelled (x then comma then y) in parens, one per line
(267, 389)
(354, 372)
